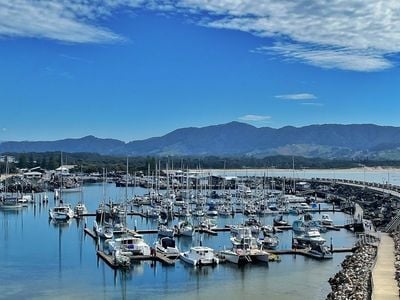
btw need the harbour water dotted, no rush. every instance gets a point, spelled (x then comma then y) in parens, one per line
(45, 260)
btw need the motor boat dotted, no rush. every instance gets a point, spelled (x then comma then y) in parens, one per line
(199, 256)
(166, 246)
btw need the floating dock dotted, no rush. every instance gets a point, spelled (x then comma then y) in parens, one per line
(108, 259)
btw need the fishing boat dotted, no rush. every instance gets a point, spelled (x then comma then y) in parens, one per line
(244, 248)
(166, 246)
(199, 256)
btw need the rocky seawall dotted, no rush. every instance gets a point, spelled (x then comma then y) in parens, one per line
(353, 281)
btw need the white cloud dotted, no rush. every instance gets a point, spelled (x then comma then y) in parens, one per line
(300, 96)
(254, 118)
(70, 21)
(331, 58)
(4, 129)
(358, 35)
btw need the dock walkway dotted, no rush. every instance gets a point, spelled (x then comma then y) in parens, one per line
(384, 285)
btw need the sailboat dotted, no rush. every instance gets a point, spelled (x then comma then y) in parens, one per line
(61, 211)
(8, 201)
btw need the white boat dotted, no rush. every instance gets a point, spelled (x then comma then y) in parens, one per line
(311, 236)
(103, 231)
(326, 220)
(209, 224)
(61, 212)
(236, 256)
(166, 231)
(244, 248)
(185, 229)
(129, 245)
(268, 242)
(80, 209)
(121, 260)
(166, 246)
(9, 203)
(199, 256)
(320, 251)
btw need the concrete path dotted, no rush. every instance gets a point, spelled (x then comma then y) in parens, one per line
(384, 283)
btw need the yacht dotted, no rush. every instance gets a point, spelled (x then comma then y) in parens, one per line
(199, 256)
(311, 236)
(61, 212)
(129, 245)
(167, 247)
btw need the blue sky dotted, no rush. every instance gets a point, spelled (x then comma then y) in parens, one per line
(131, 69)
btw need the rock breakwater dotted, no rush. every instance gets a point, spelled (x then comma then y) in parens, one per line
(353, 281)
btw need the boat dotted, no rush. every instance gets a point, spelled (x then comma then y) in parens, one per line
(166, 231)
(185, 229)
(9, 203)
(320, 251)
(209, 224)
(300, 225)
(80, 209)
(199, 256)
(61, 212)
(310, 237)
(268, 242)
(166, 246)
(129, 245)
(326, 220)
(244, 248)
(103, 231)
(279, 221)
(121, 260)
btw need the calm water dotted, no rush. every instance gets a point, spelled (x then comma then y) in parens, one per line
(42, 260)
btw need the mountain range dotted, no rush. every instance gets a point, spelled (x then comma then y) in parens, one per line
(235, 138)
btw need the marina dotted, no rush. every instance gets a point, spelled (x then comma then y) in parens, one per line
(69, 251)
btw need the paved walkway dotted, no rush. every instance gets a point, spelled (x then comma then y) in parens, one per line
(384, 283)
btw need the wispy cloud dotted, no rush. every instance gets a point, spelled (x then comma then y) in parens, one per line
(254, 118)
(68, 20)
(357, 35)
(4, 129)
(300, 96)
(330, 57)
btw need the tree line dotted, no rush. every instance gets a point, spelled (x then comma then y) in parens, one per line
(92, 162)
